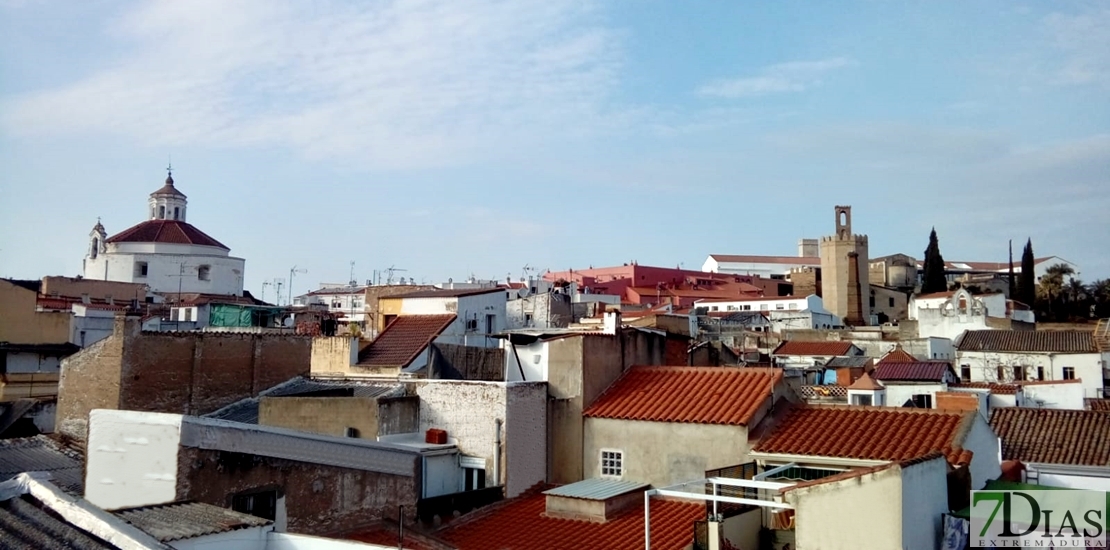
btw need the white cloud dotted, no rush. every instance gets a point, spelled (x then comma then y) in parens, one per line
(1084, 41)
(795, 76)
(395, 84)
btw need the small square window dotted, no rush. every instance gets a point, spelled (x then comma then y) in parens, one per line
(140, 269)
(612, 463)
(861, 400)
(1069, 373)
(203, 272)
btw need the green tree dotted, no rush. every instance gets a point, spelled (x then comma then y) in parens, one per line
(1099, 294)
(1027, 282)
(934, 279)
(1053, 288)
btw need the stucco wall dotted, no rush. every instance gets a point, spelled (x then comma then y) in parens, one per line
(21, 324)
(982, 441)
(897, 393)
(984, 367)
(824, 513)
(132, 458)
(164, 268)
(1065, 395)
(333, 354)
(525, 436)
(74, 287)
(322, 415)
(924, 499)
(663, 453)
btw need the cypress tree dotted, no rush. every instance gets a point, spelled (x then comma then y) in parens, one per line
(1027, 287)
(1012, 281)
(934, 279)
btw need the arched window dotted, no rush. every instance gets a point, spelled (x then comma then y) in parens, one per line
(161, 212)
(152, 212)
(176, 211)
(95, 248)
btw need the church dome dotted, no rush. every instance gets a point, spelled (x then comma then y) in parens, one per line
(168, 189)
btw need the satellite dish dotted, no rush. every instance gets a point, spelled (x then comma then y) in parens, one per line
(287, 322)
(523, 292)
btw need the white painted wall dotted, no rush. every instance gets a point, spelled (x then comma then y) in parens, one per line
(1046, 475)
(465, 307)
(827, 513)
(1065, 395)
(986, 461)
(164, 268)
(468, 411)
(984, 366)
(533, 361)
(770, 304)
(765, 270)
(131, 458)
(924, 499)
(251, 538)
(897, 393)
(289, 541)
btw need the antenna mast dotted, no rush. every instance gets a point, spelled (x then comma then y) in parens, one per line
(352, 281)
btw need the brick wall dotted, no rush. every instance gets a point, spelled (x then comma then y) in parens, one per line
(468, 363)
(191, 373)
(74, 288)
(319, 500)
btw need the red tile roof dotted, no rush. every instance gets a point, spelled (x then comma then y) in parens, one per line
(922, 371)
(866, 383)
(520, 524)
(403, 340)
(897, 355)
(994, 387)
(703, 395)
(868, 433)
(793, 260)
(1044, 341)
(796, 347)
(1053, 436)
(1098, 404)
(165, 231)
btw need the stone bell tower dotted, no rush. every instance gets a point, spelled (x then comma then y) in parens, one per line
(845, 294)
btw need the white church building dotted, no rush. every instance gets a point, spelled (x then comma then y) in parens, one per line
(165, 252)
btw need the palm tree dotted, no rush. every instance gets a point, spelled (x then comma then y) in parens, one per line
(1099, 293)
(1076, 292)
(1052, 283)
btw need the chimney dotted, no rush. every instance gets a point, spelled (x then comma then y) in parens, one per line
(611, 322)
(854, 295)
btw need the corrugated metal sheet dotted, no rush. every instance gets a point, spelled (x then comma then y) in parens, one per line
(23, 525)
(837, 362)
(41, 454)
(596, 489)
(186, 520)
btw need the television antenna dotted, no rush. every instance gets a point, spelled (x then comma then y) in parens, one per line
(352, 281)
(292, 272)
(389, 273)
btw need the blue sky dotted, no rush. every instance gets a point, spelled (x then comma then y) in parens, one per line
(451, 138)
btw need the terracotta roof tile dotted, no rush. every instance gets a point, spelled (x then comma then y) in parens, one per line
(920, 371)
(1059, 341)
(165, 231)
(994, 387)
(897, 355)
(703, 395)
(1053, 436)
(866, 383)
(796, 347)
(521, 525)
(403, 340)
(867, 433)
(1098, 404)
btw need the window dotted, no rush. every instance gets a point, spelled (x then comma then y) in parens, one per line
(261, 504)
(352, 432)
(965, 373)
(471, 325)
(490, 323)
(780, 306)
(95, 248)
(763, 307)
(612, 463)
(161, 212)
(871, 302)
(1069, 373)
(188, 314)
(1019, 373)
(140, 269)
(176, 211)
(891, 301)
(861, 400)
(528, 318)
(712, 308)
(793, 306)
(1040, 373)
(747, 308)
(202, 272)
(922, 401)
(475, 478)
(1001, 372)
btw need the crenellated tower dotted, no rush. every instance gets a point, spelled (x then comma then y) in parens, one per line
(845, 294)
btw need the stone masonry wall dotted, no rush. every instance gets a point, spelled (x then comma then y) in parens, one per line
(89, 380)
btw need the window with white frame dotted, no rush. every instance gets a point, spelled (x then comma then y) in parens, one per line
(1069, 373)
(612, 463)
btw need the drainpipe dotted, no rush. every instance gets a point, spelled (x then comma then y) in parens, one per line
(497, 454)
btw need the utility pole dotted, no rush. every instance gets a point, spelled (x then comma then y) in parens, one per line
(292, 272)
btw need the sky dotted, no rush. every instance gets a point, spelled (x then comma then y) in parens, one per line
(460, 138)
